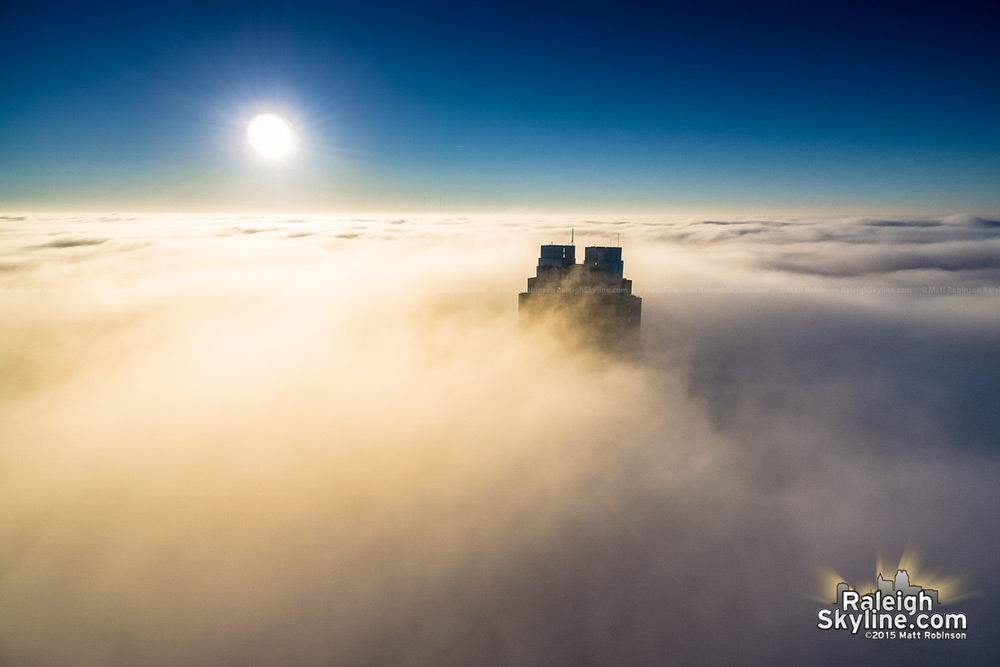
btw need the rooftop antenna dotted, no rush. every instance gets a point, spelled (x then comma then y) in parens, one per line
(572, 235)
(618, 243)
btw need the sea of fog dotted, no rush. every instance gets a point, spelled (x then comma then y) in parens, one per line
(320, 440)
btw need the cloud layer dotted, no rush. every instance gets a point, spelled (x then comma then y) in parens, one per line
(320, 440)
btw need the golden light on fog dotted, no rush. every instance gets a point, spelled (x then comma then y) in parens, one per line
(270, 136)
(222, 431)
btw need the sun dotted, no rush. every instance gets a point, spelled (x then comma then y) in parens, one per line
(270, 136)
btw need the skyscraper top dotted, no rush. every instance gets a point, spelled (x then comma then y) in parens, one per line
(593, 299)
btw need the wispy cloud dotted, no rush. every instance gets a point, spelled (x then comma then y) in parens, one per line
(71, 243)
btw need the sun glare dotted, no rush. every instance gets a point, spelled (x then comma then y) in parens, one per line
(270, 136)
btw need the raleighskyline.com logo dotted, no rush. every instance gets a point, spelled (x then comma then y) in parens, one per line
(894, 610)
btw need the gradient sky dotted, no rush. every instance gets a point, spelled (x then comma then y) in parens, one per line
(455, 107)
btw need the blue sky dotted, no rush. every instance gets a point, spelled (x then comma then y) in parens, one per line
(745, 109)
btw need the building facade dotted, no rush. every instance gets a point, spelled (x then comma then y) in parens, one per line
(592, 299)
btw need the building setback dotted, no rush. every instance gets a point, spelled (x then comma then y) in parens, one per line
(592, 299)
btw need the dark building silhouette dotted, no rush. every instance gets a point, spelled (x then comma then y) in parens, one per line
(592, 300)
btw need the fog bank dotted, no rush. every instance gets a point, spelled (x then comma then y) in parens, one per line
(321, 440)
